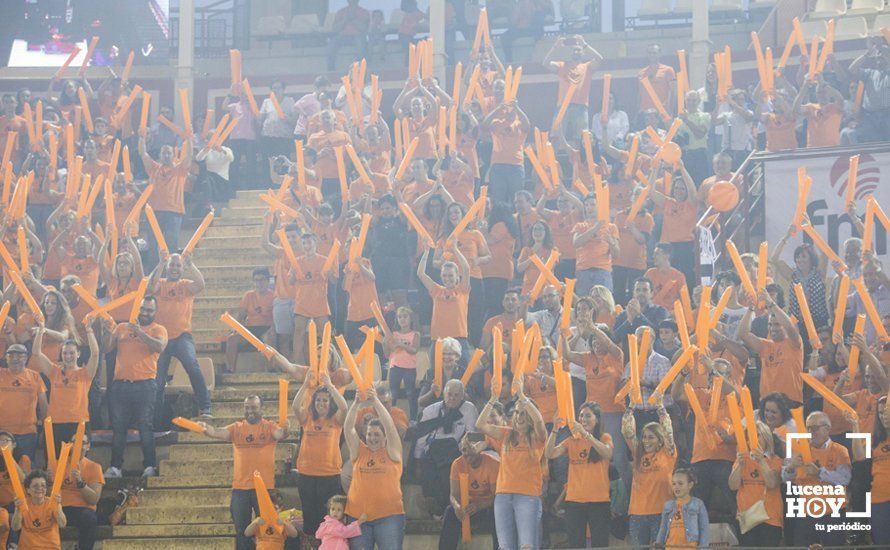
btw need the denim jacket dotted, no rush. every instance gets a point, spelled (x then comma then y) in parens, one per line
(695, 519)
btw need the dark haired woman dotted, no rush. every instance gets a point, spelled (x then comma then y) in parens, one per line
(321, 414)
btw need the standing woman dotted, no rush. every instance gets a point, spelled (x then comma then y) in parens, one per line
(120, 278)
(541, 245)
(587, 490)
(756, 476)
(41, 521)
(321, 414)
(59, 325)
(654, 456)
(517, 504)
(500, 234)
(377, 469)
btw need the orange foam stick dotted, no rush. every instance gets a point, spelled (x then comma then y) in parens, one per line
(412, 61)
(208, 118)
(25, 294)
(497, 361)
(173, 128)
(568, 296)
(67, 63)
(301, 165)
(50, 438)
(763, 263)
(29, 123)
(607, 85)
(187, 424)
(186, 112)
(851, 179)
(282, 402)
(471, 366)
(814, 50)
(89, 55)
(466, 220)
(770, 74)
(397, 131)
(786, 53)
(118, 117)
(415, 223)
(125, 75)
(378, 316)
(349, 359)
(7, 182)
(7, 149)
(143, 119)
(341, 172)
(566, 101)
(680, 318)
(727, 67)
(437, 365)
(38, 123)
(277, 106)
(802, 445)
(827, 48)
(137, 300)
(452, 128)
(758, 55)
(13, 473)
(721, 305)
(406, 160)
(807, 316)
(635, 393)
(264, 502)
(860, 88)
(277, 206)
(246, 334)
(82, 196)
(632, 156)
(133, 216)
(672, 131)
(350, 100)
(367, 358)
(235, 66)
(637, 205)
(331, 260)
(841, 307)
(199, 232)
(544, 277)
(85, 295)
(251, 100)
(714, 404)
(289, 251)
(77, 449)
(853, 360)
(358, 245)
(823, 246)
(868, 232)
(736, 418)
(312, 350)
(681, 93)
(508, 83)
(695, 405)
(539, 169)
(827, 395)
(61, 469)
(23, 249)
(376, 99)
(440, 130)
(156, 228)
(870, 308)
(217, 132)
(225, 133)
(465, 528)
(514, 88)
(457, 79)
(740, 269)
(750, 420)
(546, 271)
(114, 304)
(703, 321)
(659, 106)
(128, 170)
(85, 105)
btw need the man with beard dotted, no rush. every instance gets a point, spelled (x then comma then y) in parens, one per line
(175, 293)
(133, 390)
(253, 441)
(23, 396)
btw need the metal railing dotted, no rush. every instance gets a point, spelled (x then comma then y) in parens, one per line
(219, 27)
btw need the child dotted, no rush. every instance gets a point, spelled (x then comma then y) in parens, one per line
(333, 532)
(271, 537)
(684, 521)
(402, 346)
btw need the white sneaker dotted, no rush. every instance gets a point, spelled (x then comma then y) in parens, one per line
(151, 471)
(113, 472)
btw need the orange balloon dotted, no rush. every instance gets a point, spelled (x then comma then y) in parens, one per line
(670, 152)
(723, 196)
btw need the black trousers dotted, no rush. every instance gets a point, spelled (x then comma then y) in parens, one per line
(481, 521)
(713, 486)
(580, 516)
(762, 536)
(314, 494)
(86, 522)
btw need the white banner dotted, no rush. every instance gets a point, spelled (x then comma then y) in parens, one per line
(825, 205)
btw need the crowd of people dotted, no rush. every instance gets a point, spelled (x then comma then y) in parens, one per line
(535, 298)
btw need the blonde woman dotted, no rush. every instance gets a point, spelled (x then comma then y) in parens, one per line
(755, 476)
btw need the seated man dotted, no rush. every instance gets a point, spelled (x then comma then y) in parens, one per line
(81, 491)
(255, 313)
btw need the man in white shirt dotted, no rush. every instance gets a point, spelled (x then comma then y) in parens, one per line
(215, 176)
(309, 105)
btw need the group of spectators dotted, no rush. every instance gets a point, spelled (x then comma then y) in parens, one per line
(651, 469)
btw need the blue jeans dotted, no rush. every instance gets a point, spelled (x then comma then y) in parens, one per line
(504, 180)
(399, 376)
(241, 506)
(183, 348)
(170, 224)
(388, 533)
(880, 523)
(517, 519)
(644, 529)
(132, 402)
(587, 278)
(26, 445)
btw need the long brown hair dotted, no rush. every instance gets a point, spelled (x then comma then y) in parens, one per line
(658, 432)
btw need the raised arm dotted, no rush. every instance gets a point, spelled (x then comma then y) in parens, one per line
(745, 335)
(427, 281)
(352, 439)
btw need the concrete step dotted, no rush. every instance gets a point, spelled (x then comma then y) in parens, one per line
(209, 335)
(248, 253)
(233, 408)
(179, 543)
(239, 393)
(226, 288)
(232, 272)
(229, 242)
(177, 531)
(196, 467)
(193, 497)
(237, 220)
(250, 193)
(222, 231)
(220, 421)
(224, 300)
(207, 480)
(245, 212)
(248, 378)
(248, 201)
(154, 515)
(218, 451)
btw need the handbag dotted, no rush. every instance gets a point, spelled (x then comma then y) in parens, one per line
(753, 516)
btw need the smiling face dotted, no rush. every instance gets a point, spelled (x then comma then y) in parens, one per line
(539, 232)
(322, 403)
(651, 442)
(37, 489)
(124, 265)
(253, 410)
(50, 305)
(450, 275)
(69, 355)
(147, 311)
(375, 437)
(455, 214)
(587, 419)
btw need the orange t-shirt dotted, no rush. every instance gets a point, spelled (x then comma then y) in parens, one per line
(633, 254)
(679, 221)
(667, 286)
(425, 132)
(270, 537)
(507, 139)
(701, 450)
(469, 242)
(880, 473)
(362, 293)
(603, 374)
(588, 481)
(621, 193)
(254, 451)
(651, 486)
(781, 132)
(326, 165)
(450, 306)
(543, 395)
(19, 393)
(91, 473)
(169, 191)
(40, 530)
(829, 458)
(661, 78)
(85, 268)
(135, 361)
(752, 489)
(69, 401)
(482, 479)
(175, 300)
(595, 253)
(781, 364)
(676, 537)
(461, 186)
(579, 74)
(561, 231)
(311, 288)
(121, 314)
(320, 448)
(521, 471)
(123, 205)
(284, 289)
(504, 322)
(823, 124)
(258, 307)
(375, 489)
(500, 245)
